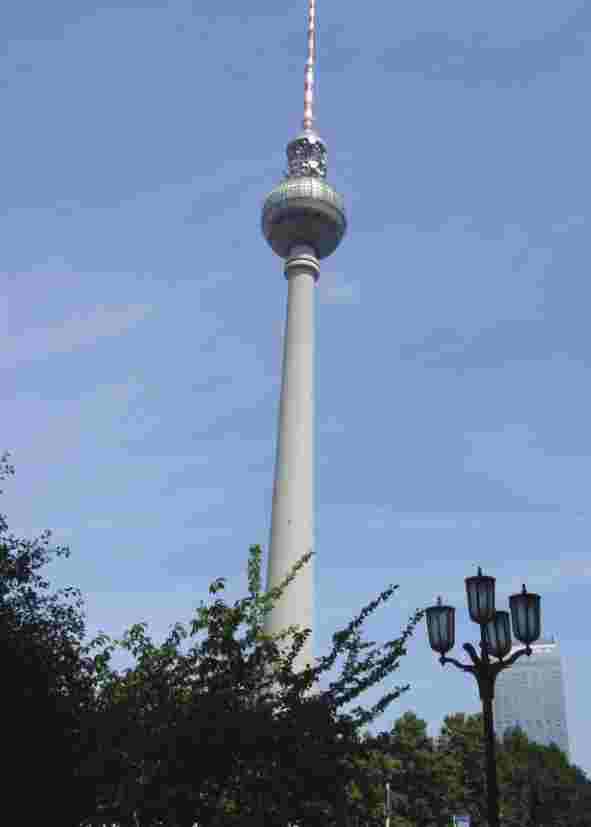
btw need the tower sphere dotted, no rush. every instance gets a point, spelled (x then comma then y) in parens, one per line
(304, 209)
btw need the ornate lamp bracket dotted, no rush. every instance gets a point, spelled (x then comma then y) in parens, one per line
(484, 670)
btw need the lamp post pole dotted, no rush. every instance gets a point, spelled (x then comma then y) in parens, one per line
(492, 785)
(495, 642)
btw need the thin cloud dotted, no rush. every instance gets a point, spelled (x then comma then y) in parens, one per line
(567, 224)
(98, 524)
(335, 289)
(332, 426)
(79, 330)
(541, 577)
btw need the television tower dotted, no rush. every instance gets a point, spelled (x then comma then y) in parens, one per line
(304, 221)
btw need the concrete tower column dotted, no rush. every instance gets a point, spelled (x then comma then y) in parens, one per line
(304, 221)
(292, 516)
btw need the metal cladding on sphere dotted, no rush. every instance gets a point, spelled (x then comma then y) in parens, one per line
(304, 210)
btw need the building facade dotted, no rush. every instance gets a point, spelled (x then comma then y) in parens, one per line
(531, 695)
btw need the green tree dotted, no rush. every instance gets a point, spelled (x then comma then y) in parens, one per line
(214, 726)
(47, 687)
(538, 785)
(424, 781)
(413, 770)
(433, 779)
(460, 749)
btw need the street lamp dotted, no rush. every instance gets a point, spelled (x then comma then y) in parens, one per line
(495, 642)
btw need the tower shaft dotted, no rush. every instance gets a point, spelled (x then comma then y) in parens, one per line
(292, 516)
(304, 221)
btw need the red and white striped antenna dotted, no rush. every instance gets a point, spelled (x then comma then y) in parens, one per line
(308, 122)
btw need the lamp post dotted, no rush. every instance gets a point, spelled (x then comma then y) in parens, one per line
(495, 642)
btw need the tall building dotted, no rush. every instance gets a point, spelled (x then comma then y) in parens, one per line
(531, 695)
(303, 220)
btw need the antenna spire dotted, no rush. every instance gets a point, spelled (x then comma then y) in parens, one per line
(306, 154)
(308, 121)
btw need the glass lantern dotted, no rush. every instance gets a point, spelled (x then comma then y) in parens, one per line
(497, 635)
(525, 616)
(480, 591)
(441, 626)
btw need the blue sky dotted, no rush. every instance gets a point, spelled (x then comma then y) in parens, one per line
(143, 311)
